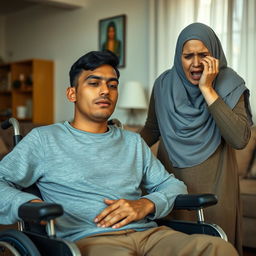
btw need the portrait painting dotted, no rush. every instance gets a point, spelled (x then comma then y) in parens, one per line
(112, 36)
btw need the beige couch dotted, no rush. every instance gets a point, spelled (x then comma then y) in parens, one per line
(246, 160)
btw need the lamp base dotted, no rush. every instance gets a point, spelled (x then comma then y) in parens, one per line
(131, 117)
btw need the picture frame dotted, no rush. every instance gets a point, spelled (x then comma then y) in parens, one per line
(112, 36)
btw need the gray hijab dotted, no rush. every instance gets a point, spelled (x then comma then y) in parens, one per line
(188, 130)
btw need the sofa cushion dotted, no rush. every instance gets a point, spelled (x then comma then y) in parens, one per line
(252, 166)
(249, 230)
(244, 156)
(248, 196)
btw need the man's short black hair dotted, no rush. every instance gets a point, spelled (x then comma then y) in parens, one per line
(91, 61)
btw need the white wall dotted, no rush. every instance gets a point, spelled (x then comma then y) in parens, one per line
(64, 35)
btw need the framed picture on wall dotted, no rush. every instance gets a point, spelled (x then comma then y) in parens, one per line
(112, 36)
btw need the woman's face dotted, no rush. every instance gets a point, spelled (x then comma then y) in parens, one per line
(111, 33)
(192, 54)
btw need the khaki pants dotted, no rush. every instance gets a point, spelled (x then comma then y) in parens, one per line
(160, 241)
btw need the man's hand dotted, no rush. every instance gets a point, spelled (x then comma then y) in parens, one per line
(121, 212)
(36, 201)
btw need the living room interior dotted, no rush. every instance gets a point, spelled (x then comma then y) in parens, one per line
(51, 34)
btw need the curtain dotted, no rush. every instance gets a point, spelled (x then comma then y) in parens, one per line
(234, 21)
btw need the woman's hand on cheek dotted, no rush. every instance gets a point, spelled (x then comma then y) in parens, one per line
(211, 70)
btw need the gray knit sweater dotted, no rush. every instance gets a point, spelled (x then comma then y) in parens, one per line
(79, 170)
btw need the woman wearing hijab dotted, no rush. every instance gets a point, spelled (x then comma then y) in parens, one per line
(200, 109)
(112, 43)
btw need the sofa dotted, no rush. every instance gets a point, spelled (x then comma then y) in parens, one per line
(246, 159)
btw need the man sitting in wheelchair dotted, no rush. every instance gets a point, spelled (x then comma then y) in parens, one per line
(95, 171)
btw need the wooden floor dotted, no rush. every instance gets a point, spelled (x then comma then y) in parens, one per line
(249, 252)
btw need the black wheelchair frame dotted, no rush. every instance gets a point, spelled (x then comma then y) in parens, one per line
(34, 239)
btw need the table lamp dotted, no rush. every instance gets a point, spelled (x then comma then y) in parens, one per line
(132, 98)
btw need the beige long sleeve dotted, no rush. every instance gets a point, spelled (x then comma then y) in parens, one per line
(233, 123)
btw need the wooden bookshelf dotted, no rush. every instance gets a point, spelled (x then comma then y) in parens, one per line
(27, 83)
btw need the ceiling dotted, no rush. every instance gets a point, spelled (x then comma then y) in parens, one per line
(12, 6)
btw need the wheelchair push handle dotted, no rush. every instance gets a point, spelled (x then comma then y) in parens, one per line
(16, 129)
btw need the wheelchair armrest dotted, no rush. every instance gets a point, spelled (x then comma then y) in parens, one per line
(194, 201)
(36, 212)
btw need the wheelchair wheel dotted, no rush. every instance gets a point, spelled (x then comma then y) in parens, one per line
(15, 241)
(8, 250)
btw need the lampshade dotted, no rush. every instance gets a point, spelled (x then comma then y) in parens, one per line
(132, 96)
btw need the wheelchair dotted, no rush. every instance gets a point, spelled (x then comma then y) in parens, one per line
(34, 239)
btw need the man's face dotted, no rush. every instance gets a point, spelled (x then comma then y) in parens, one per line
(96, 94)
(193, 53)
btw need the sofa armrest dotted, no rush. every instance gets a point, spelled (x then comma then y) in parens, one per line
(244, 156)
